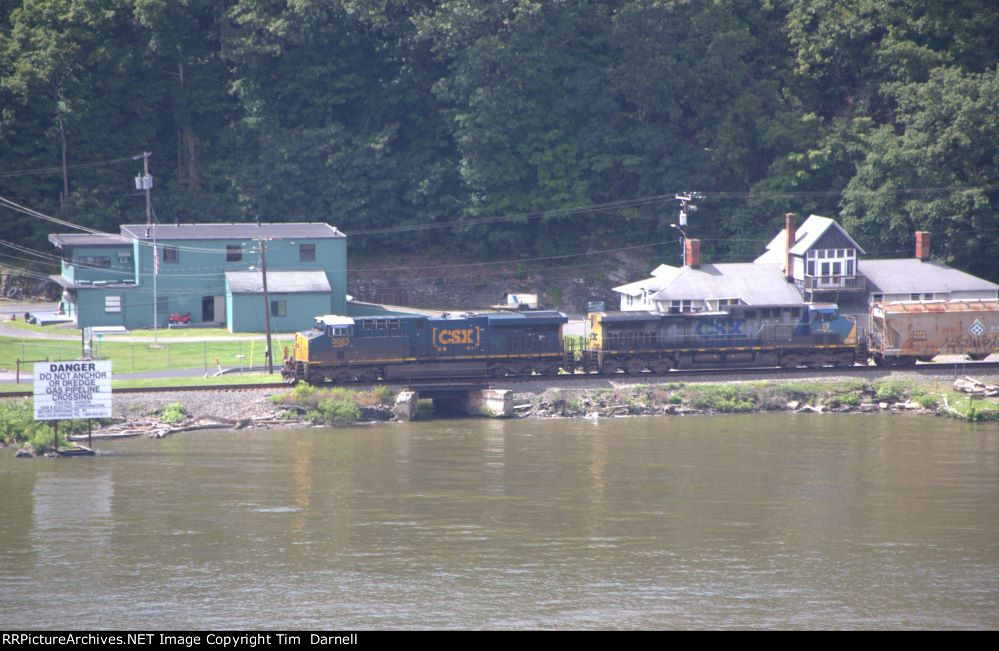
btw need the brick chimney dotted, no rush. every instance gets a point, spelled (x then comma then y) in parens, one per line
(790, 230)
(692, 253)
(923, 245)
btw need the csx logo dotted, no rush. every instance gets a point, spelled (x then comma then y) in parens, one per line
(716, 327)
(456, 337)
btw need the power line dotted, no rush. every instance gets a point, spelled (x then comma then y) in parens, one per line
(78, 166)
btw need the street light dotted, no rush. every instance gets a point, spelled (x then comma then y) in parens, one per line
(683, 243)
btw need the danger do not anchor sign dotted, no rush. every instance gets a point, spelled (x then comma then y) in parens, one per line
(67, 390)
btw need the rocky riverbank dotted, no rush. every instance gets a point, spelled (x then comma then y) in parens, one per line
(162, 414)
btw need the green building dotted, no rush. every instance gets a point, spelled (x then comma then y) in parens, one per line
(211, 272)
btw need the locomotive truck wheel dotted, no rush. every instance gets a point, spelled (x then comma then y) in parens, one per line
(662, 366)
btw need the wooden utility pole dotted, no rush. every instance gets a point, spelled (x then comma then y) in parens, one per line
(267, 304)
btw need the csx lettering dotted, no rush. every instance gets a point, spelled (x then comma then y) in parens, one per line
(449, 337)
(719, 327)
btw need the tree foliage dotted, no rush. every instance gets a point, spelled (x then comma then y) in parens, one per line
(506, 117)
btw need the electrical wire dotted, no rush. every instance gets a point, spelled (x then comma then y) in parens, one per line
(78, 166)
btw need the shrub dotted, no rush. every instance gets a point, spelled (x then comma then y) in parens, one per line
(18, 425)
(386, 395)
(336, 410)
(173, 413)
(926, 402)
(890, 391)
(850, 399)
(724, 398)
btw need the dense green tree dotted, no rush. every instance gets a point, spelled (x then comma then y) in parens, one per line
(935, 170)
(538, 126)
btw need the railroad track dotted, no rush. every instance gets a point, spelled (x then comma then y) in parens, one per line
(706, 375)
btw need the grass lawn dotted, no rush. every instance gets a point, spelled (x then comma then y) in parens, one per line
(222, 380)
(53, 329)
(128, 357)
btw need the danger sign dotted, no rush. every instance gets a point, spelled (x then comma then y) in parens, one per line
(67, 390)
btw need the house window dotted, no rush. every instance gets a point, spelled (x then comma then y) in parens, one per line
(675, 307)
(927, 297)
(306, 252)
(171, 254)
(913, 297)
(233, 252)
(96, 261)
(279, 308)
(124, 258)
(112, 304)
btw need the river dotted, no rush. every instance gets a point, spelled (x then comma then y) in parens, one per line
(757, 521)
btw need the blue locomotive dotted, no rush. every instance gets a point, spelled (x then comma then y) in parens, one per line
(342, 349)
(746, 336)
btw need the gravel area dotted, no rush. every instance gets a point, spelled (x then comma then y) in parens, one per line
(232, 405)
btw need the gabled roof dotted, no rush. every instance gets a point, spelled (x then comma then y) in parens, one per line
(246, 231)
(908, 275)
(806, 236)
(278, 282)
(662, 276)
(753, 283)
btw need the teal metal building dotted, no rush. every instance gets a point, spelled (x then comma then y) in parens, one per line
(211, 272)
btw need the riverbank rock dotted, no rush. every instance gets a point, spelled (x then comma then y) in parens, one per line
(26, 452)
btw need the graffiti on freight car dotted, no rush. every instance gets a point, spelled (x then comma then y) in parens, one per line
(957, 344)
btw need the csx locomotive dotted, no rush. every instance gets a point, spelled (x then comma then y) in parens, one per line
(361, 349)
(342, 349)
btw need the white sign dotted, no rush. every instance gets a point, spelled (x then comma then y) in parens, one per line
(67, 390)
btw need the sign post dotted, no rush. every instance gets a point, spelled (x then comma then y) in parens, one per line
(70, 390)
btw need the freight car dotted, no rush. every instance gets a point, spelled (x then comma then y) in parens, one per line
(742, 336)
(342, 349)
(902, 333)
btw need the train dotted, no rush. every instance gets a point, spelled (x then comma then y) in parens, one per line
(909, 331)
(341, 349)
